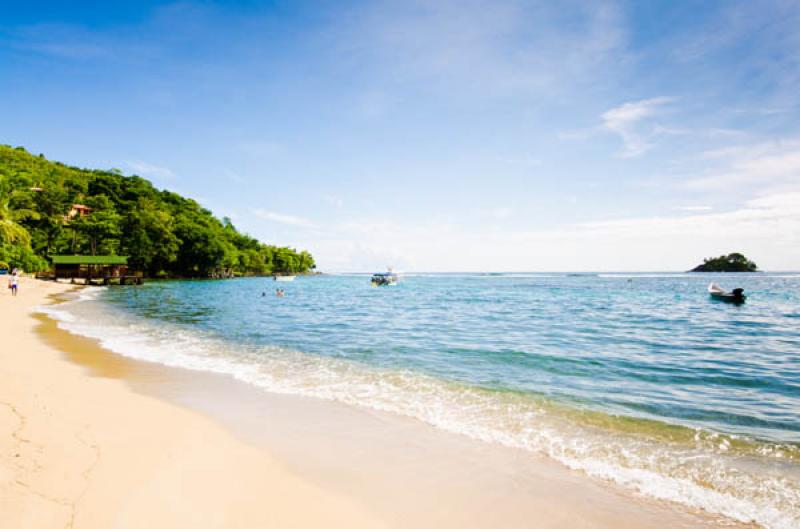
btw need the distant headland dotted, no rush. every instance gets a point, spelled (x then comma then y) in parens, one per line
(733, 262)
(50, 209)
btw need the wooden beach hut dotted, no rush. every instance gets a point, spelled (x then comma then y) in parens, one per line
(90, 268)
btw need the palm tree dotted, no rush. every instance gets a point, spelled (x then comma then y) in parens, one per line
(10, 230)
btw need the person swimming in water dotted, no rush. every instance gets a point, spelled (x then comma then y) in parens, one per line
(279, 292)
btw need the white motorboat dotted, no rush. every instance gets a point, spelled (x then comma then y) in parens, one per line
(385, 279)
(734, 296)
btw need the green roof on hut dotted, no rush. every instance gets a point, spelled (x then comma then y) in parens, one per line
(90, 259)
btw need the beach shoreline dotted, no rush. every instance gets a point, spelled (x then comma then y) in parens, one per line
(88, 445)
(81, 451)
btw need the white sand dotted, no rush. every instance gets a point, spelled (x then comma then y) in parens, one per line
(84, 452)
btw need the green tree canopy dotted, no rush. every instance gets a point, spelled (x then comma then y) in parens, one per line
(733, 262)
(162, 232)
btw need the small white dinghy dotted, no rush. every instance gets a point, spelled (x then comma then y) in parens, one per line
(284, 278)
(734, 296)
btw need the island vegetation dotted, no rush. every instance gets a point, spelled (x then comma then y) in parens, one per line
(48, 208)
(733, 262)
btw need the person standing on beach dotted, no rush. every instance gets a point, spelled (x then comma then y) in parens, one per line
(14, 282)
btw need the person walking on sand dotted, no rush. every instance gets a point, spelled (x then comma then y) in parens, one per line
(14, 282)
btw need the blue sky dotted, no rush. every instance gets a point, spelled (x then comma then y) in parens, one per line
(435, 135)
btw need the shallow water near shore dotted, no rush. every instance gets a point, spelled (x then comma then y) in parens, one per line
(638, 379)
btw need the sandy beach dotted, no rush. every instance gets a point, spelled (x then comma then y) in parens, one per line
(86, 452)
(89, 439)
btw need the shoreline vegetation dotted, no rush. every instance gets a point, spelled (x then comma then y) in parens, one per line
(48, 208)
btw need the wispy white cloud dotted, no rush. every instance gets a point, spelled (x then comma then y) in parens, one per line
(501, 213)
(630, 122)
(693, 208)
(777, 214)
(676, 242)
(480, 47)
(763, 165)
(281, 218)
(151, 170)
(639, 133)
(667, 242)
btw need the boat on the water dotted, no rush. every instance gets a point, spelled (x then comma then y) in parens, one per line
(734, 296)
(385, 279)
(283, 277)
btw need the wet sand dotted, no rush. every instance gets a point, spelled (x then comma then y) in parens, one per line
(108, 441)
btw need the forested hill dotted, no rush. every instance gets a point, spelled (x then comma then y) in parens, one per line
(163, 233)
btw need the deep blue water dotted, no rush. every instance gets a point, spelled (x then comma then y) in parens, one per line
(641, 379)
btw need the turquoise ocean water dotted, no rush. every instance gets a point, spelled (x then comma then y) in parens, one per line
(639, 379)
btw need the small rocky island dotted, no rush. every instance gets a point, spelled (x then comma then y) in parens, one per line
(733, 262)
